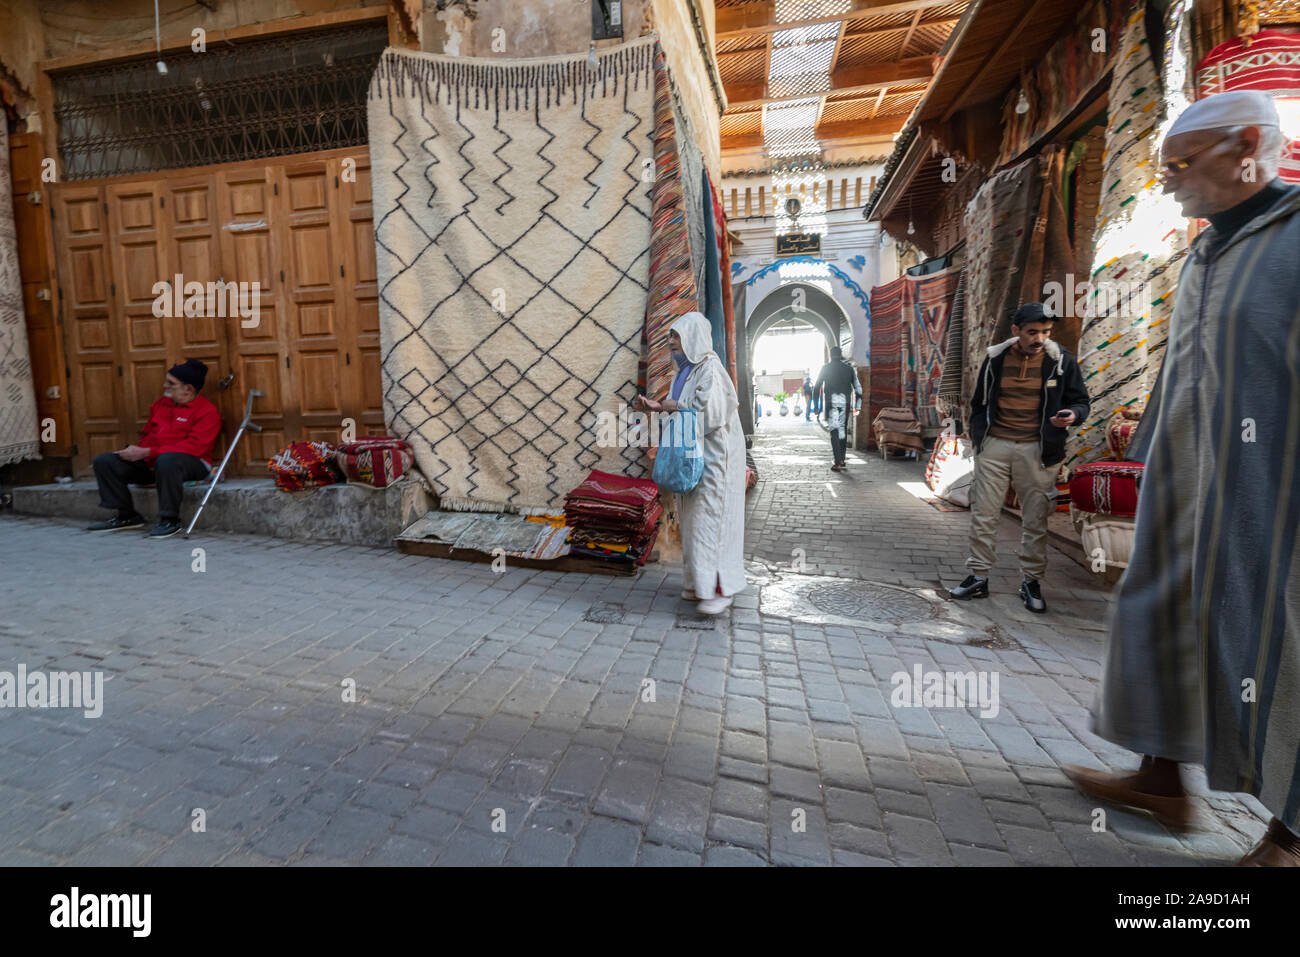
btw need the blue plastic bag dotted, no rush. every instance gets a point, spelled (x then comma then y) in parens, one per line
(679, 463)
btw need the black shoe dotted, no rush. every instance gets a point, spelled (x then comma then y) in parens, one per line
(1032, 594)
(166, 528)
(973, 586)
(117, 523)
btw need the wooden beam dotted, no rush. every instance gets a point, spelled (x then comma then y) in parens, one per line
(880, 98)
(846, 37)
(761, 17)
(746, 141)
(859, 79)
(835, 55)
(839, 42)
(996, 56)
(911, 30)
(860, 129)
(128, 51)
(840, 132)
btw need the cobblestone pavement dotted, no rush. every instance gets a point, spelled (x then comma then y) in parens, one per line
(495, 721)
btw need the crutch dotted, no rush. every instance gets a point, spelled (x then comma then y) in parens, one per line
(246, 424)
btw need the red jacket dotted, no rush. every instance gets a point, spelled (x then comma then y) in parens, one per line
(191, 428)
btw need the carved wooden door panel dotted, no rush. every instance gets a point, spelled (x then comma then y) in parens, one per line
(91, 323)
(138, 260)
(251, 254)
(191, 218)
(316, 332)
(361, 294)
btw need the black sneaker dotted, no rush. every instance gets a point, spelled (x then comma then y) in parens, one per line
(166, 528)
(117, 523)
(973, 586)
(1032, 594)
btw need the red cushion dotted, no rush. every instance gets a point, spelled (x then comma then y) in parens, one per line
(304, 464)
(377, 461)
(1106, 488)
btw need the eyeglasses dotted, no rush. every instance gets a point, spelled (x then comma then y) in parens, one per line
(1182, 163)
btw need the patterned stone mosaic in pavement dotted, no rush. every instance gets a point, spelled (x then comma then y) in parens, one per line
(539, 718)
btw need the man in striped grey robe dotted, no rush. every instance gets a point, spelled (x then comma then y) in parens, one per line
(1203, 659)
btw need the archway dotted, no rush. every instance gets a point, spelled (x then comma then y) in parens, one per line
(798, 301)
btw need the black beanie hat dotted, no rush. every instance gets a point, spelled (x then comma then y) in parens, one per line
(191, 372)
(1032, 312)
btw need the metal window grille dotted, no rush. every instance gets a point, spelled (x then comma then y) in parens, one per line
(275, 96)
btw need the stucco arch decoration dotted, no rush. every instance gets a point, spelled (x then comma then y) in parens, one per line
(799, 301)
(848, 294)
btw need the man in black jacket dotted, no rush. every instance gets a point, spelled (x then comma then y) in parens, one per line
(1029, 392)
(838, 383)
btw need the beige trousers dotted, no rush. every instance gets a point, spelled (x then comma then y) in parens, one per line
(1001, 462)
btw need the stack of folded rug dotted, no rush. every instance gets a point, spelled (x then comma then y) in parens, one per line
(613, 517)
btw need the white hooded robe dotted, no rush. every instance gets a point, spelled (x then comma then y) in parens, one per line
(713, 513)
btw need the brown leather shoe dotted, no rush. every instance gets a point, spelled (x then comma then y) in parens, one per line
(1174, 812)
(1278, 848)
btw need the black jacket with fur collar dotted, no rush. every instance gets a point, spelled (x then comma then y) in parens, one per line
(1063, 388)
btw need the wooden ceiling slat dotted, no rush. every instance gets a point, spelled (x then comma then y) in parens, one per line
(911, 32)
(882, 64)
(859, 78)
(842, 131)
(761, 17)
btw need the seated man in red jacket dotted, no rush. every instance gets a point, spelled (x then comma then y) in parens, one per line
(175, 447)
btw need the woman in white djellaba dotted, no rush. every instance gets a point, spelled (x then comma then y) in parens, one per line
(713, 513)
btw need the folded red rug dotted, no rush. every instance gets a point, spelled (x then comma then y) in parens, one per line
(618, 489)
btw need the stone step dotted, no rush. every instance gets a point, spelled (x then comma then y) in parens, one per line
(343, 514)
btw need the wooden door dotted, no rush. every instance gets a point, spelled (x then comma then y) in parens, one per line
(299, 227)
(138, 258)
(191, 222)
(91, 323)
(250, 254)
(32, 209)
(361, 294)
(317, 337)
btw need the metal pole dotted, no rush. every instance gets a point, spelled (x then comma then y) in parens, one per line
(246, 424)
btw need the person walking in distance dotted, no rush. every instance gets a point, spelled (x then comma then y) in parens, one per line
(838, 384)
(807, 398)
(1029, 391)
(1203, 650)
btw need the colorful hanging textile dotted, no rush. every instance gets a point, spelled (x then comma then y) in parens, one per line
(1063, 77)
(691, 160)
(724, 268)
(672, 274)
(928, 309)
(512, 230)
(887, 304)
(19, 438)
(1268, 61)
(1141, 239)
(712, 285)
(948, 398)
(999, 226)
